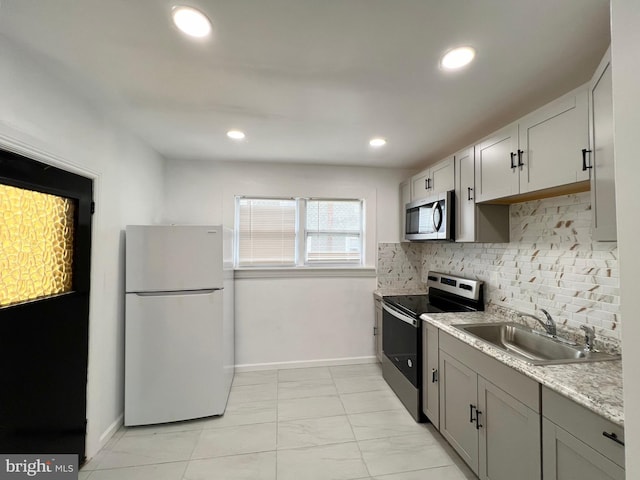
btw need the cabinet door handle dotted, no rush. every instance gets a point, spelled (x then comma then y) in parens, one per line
(469, 190)
(375, 331)
(614, 437)
(478, 413)
(584, 159)
(429, 183)
(426, 184)
(513, 157)
(434, 375)
(471, 408)
(520, 152)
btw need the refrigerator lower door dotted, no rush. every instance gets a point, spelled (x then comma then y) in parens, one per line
(174, 365)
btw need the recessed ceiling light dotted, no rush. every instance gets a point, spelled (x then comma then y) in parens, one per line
(457, 58)
(235, 134)
(191, 21)
(377, 142)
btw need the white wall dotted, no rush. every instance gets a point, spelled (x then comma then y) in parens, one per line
(625, 38)
(198, 192)
(282, 320)
(304, 321)
(43, 117)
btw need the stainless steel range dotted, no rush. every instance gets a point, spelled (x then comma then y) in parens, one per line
(401, 331)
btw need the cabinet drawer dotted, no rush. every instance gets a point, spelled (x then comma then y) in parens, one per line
(516, 384)
(583, 424)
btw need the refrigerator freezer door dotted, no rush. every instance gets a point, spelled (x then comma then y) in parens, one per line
(173, 357)
(163, 258)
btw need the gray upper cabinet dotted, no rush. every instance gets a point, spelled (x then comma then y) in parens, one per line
(542, 150)
(476, 223)
(405, 197)
(438, 178)
(551, 140)
(563, 147)
(465, 196)
(599, 161)
(430, 372)
(496, 165)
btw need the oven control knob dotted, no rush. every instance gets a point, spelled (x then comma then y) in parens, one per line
(410, 363)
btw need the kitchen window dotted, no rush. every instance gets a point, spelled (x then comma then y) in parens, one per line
(299, 232)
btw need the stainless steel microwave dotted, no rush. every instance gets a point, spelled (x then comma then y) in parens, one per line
(430, 218)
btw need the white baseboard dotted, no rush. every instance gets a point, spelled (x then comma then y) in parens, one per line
(111, 430)
(330, 362)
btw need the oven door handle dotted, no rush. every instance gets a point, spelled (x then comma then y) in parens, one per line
(400, 316)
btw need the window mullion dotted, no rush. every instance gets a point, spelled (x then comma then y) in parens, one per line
(301, 232)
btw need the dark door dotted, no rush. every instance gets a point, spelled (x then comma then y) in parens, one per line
(45, 244)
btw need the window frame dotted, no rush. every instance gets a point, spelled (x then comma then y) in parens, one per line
(301, 235)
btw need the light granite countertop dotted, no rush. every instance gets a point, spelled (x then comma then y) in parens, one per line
(594, 385)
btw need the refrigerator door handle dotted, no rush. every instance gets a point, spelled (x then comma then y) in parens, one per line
(178, 292)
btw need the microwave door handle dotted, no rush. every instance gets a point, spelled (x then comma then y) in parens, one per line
(436, 217)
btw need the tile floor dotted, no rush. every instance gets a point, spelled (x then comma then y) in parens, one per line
(324, 423)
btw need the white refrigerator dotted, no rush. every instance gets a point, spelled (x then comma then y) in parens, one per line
(179, 322)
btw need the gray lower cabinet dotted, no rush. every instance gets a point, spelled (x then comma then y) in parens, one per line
(458, 396)
(509, 435)
(567, 458)
(377, 328)
(506, 427)
(430, 383)
(494, 432)
(578, 443)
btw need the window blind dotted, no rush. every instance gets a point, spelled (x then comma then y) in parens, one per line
(266, 232)
(333, 232)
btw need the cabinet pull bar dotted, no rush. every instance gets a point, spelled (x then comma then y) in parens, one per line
(614, 437)
(471, 407)
(513, 157)
(469, 190)
(478, 413)
(426, 184)
(520, 163)
(434, 375)
(584, 159)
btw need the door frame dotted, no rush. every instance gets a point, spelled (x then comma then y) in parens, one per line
(94, 437)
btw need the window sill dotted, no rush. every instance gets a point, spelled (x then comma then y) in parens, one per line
(306, 272)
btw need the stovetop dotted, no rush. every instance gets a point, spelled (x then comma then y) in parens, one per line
(413, 305)
(447, 293)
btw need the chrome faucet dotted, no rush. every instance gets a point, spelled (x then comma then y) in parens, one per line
(549, 325)
(589, 335)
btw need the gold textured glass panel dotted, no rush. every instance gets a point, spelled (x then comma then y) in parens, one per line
(36, 240)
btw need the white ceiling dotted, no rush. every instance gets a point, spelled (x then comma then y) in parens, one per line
(311, 81)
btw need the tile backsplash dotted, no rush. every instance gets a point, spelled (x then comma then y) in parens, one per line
(400, 266)
(551, 263)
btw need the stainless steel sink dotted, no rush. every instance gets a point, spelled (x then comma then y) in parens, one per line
(531, 346)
